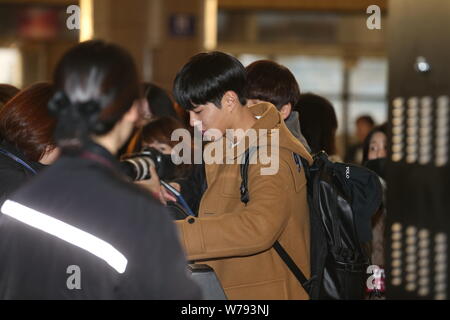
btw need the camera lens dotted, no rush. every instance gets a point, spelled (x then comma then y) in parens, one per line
(137, 166)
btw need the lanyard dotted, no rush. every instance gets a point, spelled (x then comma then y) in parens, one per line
(97, 158)
(17, 159)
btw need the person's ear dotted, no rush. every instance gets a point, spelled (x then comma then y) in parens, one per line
(229, 100)
(286, 110)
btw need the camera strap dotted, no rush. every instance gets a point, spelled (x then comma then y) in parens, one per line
(97, 158)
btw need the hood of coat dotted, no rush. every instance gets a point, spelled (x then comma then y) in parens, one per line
(268, 119)
(293, 124)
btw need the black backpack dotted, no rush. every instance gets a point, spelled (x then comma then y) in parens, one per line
(342, 199)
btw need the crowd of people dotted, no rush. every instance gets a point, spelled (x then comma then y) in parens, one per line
(65, 200)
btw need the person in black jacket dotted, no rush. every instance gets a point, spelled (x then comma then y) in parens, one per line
(27, 131)
(80, 229)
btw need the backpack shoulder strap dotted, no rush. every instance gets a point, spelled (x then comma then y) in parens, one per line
(291, 265)
(301, 163)
(244, 174)
(277, 245)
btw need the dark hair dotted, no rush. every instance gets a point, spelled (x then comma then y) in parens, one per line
(272, 82)
(97, 83)
(366, 118)
(318, 122)
(159, 101)
(6, 93)
(160, 130)
(26, 123)
(206, 78)
(383, 128)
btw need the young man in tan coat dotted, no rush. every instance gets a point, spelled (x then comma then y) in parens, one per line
(235, 239)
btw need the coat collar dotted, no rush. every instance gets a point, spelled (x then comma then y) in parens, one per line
(11, 148)
(268, 118)
(293, 124)
(99, 154)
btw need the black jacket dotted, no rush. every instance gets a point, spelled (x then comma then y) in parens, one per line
(90, 194)
(13, 174)
(193, 186)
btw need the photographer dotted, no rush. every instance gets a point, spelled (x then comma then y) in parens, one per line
(157, 103)
(81, 230)
(184, 177)
(157, 135)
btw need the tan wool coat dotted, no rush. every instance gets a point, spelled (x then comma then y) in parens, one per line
(236, 240)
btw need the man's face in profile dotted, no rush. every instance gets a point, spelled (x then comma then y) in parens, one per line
(209, 117)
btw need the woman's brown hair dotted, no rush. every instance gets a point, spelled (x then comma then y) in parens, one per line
(160, 130)
(26, 123)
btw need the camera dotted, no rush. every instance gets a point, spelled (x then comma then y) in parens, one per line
(137, 165)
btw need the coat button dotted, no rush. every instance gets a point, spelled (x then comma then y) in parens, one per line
(191, 220)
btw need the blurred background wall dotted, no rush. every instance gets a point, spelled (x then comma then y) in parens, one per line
(325, 43)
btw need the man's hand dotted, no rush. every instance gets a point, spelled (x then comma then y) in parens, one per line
(176, 186)
(155, 188)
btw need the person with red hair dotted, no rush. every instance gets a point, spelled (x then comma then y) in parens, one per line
(26, 131)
